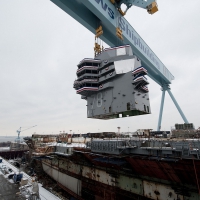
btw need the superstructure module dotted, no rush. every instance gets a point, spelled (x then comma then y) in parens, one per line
(114, 84)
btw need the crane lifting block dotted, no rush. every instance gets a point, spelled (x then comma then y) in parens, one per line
(97, 48)
(99, 31)
(112, 1)
(152, 8)
(121, 12)
(97, 45)
(99, 34)
(119, 33)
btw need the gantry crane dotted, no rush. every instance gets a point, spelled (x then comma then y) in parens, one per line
(109, 15)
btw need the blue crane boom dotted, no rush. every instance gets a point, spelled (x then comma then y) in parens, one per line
(92, 13)
(109, 15)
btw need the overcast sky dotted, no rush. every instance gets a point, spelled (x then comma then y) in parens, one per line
(40, 47)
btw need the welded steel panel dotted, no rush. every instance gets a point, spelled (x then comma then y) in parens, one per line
(130, 184)
(98, 175)
(69, 182)
(159, 192)
(70, 166)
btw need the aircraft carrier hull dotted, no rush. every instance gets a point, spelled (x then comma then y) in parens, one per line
(86, 175)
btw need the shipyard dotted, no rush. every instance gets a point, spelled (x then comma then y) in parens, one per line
(104, 109)
(144, 164)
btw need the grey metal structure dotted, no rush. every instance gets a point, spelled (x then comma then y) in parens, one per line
(114, 84)
(154, 147)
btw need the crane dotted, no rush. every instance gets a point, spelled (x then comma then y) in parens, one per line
(150, 5)
(20, 130)
(108, 14)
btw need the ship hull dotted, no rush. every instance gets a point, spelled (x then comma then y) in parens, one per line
(84, 176)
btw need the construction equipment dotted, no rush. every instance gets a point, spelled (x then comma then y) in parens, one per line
(109, 14)
(20, 130)
(97, 46)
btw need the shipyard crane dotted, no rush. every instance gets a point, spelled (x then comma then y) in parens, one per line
(108, 15)
(20, 130)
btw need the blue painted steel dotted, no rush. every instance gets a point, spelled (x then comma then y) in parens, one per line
(138, 3)
(177, 106)
(92, 13)
(161, 110)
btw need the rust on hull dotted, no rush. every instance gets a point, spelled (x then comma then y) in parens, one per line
(95, 190)
(181, 171)
(178, 171)
(114, 178)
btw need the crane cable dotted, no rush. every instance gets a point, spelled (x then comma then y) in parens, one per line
(28, 128)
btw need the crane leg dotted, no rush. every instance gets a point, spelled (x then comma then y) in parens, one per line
(161, 110)
(177, 106)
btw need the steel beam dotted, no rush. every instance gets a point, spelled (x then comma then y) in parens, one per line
(177, 106)
(161, 109)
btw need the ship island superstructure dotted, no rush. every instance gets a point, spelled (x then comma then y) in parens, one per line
(114, 84)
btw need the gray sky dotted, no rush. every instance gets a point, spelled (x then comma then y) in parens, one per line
(40, 47)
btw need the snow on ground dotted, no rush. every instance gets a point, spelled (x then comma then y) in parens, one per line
(44, 194)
